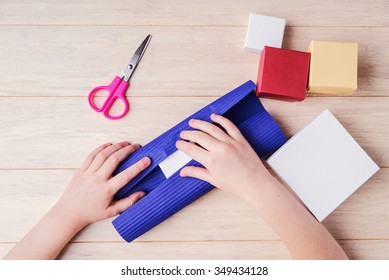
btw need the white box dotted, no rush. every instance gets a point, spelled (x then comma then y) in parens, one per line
(264, 31)
(323, 164)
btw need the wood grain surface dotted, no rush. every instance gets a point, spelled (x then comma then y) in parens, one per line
(53, 52)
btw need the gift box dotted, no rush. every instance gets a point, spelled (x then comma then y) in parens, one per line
(334, 67)
(322, 164)
(264, 30)
(283, 74)
(168, 192)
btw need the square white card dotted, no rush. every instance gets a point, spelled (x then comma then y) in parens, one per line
(174, 162)
(323, 164)
(264, 31)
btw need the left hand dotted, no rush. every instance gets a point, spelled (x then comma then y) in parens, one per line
(89, 196)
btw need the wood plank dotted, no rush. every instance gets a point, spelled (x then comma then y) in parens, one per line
(202, 12)
(178, 250)
(366, 249)
(60, 132)
(28, 194)
(224, 250)
(355, 249)
(170, 250)
(70, 60)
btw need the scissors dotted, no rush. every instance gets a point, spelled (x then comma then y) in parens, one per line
(119, 85)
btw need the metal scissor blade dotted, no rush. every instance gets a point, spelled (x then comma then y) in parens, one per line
(130, 67)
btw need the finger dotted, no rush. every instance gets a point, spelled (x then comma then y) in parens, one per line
(209, 128)
(119, 206)
(203, 139)
(196, 172)
(194, 151)
(130, 173)
(114, 159)
(87, 162)
(104, 154)
(231, 129)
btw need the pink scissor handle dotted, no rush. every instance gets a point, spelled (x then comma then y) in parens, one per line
(116, 90)
(120, 93)
(111, 88)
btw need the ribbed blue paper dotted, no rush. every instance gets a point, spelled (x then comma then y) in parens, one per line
(166, 197)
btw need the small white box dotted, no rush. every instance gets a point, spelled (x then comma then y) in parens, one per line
(323, 164)
(264, 31)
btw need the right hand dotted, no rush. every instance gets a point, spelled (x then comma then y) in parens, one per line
(230, 162)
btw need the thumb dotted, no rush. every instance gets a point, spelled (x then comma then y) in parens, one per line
(123, 204)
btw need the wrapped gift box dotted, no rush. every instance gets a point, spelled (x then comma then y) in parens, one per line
(167, 191)
(333, 68)
(323, 164)
(264, 30)
(283, 74)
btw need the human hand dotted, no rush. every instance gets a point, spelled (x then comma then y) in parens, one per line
(89, 196)
(230, 162)
(232, 165)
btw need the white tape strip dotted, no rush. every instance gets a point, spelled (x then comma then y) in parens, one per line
(173, 163)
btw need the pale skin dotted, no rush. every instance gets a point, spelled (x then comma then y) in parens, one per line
(88, 198)
(232, 165)
(229, 164)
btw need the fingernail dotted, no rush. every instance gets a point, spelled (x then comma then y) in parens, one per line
(146, 160)
(182, 173)
(137, 146)
(141, 195)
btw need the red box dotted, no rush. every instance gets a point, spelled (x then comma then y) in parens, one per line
(283, 74)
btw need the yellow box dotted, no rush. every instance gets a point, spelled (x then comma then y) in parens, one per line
(333, 68)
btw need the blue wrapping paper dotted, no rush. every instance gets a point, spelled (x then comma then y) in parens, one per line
(165, 197)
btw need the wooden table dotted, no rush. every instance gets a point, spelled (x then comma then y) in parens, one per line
(52, 54)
